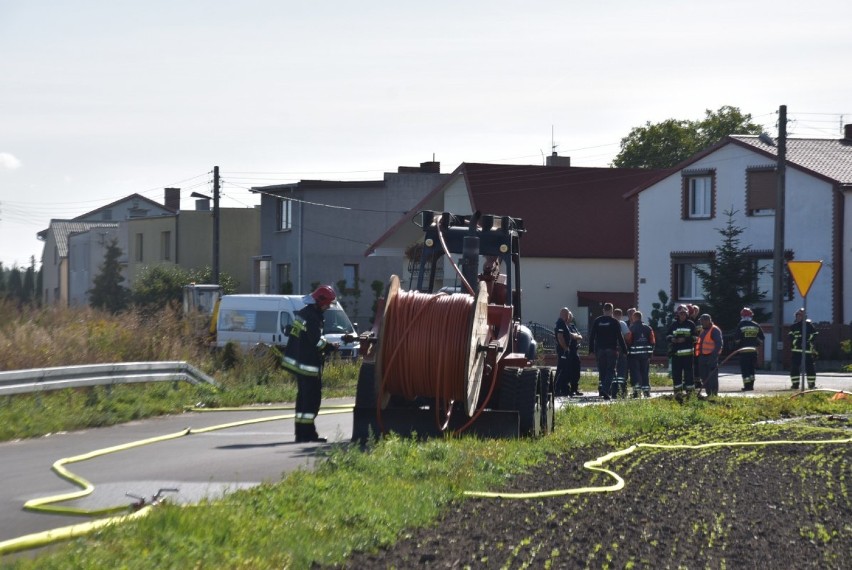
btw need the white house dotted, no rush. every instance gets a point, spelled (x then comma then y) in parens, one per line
(679, 216)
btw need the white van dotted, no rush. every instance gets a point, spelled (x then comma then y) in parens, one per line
(252, 319)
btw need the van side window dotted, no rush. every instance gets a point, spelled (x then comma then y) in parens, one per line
(286, 321)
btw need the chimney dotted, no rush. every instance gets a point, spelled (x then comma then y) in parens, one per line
(556, 160)
(847, 133)
(430, 167)
(202, 205)
(172, 200)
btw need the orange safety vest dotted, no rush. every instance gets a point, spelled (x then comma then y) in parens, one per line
(706, 344)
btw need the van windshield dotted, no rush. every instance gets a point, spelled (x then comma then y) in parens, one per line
(336, 322)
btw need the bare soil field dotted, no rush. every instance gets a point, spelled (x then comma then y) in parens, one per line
(774, 506)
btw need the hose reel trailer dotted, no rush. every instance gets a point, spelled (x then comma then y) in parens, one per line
(453, 362)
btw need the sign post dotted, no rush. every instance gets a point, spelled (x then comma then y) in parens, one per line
(804, 273)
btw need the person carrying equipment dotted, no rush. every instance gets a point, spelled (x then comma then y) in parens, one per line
(304, 356)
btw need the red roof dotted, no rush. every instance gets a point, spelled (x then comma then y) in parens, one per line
(571, 212)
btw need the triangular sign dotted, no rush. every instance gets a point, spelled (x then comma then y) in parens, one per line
(804, 273)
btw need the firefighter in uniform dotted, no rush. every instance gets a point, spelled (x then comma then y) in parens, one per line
(795, 335)
(640, 341)
(681, 337)
(747, 339)
(303, 357)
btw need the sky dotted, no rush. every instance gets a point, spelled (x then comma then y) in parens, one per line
(103, 99)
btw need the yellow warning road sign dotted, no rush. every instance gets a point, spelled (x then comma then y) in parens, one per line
(804, 273)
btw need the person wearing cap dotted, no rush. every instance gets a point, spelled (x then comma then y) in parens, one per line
(709, 347)
(681, 337)
(304, 356)
(801, 344)
(747, 339)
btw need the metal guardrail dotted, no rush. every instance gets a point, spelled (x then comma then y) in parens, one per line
(43, 379)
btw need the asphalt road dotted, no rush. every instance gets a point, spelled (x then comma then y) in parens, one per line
(199, 465)
(203, 464)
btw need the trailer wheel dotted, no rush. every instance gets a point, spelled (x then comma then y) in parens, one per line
(518, 392)
(365, 392)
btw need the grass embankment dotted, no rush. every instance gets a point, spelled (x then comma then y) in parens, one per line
(363, 500)
(43, 338)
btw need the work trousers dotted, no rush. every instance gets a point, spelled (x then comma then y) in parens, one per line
(621, 372)
(682, 373)
(708, 371)
(606, 359)
(796, 369)
(639, 366)
(748, 360)
(308, 398)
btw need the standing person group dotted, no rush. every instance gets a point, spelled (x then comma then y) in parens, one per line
(803, 344)
(304, 356)
(568, 364)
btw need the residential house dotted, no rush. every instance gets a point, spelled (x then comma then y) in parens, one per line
(148, 234)
(315, 231)
(579, 243)
(679, 216)
(59, 273)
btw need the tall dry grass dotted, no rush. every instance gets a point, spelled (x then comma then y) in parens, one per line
(41, 337)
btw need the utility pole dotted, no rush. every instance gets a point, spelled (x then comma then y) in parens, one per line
(778, 258)
(215, 225)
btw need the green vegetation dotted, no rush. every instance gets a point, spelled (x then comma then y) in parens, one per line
(365, 499)
(46, 337)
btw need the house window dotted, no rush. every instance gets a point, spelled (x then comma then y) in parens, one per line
(139, 243)
(698, 196)
(166, 246)
(688, 283)
(262, 267)
(284, 214)
(285, 282)
(761, 191)
(350, 276)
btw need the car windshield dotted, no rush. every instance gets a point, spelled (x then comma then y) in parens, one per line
(336, 322)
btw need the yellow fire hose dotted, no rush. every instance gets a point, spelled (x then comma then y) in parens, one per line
(597, 465)
(48, 504)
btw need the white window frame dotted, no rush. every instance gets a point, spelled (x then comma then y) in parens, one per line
(700, 195)
(689, 283)
(285, 214)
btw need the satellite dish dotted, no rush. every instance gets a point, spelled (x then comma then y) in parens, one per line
(766, 139)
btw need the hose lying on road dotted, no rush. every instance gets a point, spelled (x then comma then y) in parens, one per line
(49, 504)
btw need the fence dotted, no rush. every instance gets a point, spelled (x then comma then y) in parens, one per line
(43, 379)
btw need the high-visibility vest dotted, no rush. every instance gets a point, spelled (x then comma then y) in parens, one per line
(706, 344)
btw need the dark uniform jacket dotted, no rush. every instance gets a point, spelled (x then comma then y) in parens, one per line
(306, 345)
(606, 334)
(748, 334)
